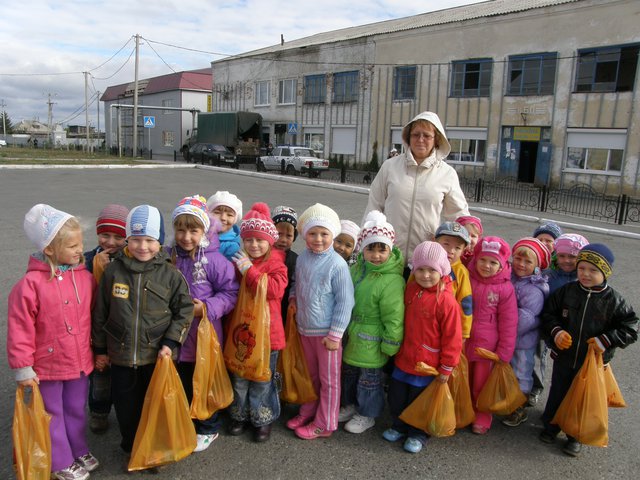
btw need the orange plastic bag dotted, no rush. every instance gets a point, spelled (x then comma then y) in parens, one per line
(501, 393)
(614, 395)
(165, 433)
(292, 365)
(212, 389)
(583, 413)
(248, 347)
(433, 410)
(461, 393)
(31, 440)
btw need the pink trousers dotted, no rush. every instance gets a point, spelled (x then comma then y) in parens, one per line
(478, 374)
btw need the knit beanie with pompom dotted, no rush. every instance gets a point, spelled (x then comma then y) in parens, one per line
(376, 229)
(257, 223)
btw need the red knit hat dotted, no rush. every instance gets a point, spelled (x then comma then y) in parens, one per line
(470, 220)
(257, 223)
(494, 247)
(541, 252)
(113, 219)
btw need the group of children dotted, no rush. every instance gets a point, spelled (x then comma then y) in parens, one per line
(92, 326)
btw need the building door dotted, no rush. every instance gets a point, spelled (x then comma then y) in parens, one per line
(280, 131)
(527, 161)
(543, 164)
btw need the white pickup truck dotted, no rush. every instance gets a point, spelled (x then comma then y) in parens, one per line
(297, 160)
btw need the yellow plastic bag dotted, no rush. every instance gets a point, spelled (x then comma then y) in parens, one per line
(248, 347)
(614, 395)
(31, 440)
(292, 365)
(461, 393)
(583, 413)
(212, 389)
(165, 433)
(433, 410)
(501, 393)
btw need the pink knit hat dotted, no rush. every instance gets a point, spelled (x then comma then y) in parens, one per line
(570, 243)
(470, 219)
(542, 254)
(257, 223)
(432, 255)
(494, 247)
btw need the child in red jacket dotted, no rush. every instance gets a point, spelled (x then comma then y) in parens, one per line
(258, 402)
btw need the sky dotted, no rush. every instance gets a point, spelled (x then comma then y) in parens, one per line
(49, 44)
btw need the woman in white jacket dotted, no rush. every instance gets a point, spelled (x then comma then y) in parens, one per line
(416, 188)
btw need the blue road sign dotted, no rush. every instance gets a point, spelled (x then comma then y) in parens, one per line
(149, 122)
(293, 128)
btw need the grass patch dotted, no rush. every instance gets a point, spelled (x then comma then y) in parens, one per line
(31, 156)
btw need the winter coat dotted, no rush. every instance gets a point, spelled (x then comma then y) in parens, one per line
(49, 323)
(432, 329)
(376, 327)
(290, 259)
(531, 292)
(461, 285)
(324, 294)
(414, 197)
(276, 272)
(140, 307)
(212, 280)
(230, 242)
(586, 313)
(558, 278)
(495, 314)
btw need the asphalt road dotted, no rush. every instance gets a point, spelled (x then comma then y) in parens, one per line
(502, 453)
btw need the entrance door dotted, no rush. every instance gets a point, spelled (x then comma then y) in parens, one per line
(527, 161)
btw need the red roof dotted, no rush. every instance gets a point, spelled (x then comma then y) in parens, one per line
(192, 80)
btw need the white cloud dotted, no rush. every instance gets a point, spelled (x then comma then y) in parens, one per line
(61, 40)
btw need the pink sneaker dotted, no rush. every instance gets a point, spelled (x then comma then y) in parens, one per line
(297, 421)
(311, 432)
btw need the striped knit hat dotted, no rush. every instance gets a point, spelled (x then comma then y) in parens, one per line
(145, 221)
(257, 223)
(599, 255)
(112, 219)
(376, 229)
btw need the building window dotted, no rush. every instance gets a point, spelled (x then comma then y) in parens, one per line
(467, 150)
(345, 87)
(263, 93)
(287, 91)
(315, 87)
(168, 138)
(596, 150)
(609, 69)
(471, 78)
(532, 74)
(404, 83)
(314, 141)
(167, 103)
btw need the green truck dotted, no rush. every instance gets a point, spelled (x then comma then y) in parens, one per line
(240, 132)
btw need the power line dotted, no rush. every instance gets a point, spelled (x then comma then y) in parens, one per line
(189, 49)
(112, 56)
(121, 67)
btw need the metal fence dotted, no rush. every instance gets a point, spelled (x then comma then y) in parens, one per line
(579, 200)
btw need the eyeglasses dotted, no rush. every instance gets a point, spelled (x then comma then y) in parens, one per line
(426, 136)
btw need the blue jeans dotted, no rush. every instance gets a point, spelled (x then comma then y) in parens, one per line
(400, 396)
(362, 387)
(258, 402)
(522, 364)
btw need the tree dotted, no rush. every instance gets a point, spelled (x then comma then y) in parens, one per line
(6, 121)
(373, 164)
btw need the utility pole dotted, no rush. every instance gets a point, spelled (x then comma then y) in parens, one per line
(4, 119)
(98, 103)
(50, 104)
(86, 108)
(135, 98)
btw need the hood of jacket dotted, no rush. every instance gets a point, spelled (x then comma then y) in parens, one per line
(37, 263)
(395, 264)
(502, 276)
(443, 147)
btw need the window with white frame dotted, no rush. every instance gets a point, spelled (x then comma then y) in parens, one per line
(468, 145)
(167, 103)
(607, 69)
(595, 150)
(314, 140)
(287, 91)
(533, 74)
(263, 93)
(315, 87)
(471, 78)
(168, 138)
(345, 87)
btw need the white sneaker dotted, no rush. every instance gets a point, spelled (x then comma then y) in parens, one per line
(346, 413)
(359, 424)
(73, 472)
(88, 461)
(204, 441)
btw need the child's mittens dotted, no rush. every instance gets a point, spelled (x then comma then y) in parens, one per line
(563, 340)
(242, 261)
(597, 344)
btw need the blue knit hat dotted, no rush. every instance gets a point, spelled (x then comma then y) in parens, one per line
(145, 221)
(598, 255)
(550, 228)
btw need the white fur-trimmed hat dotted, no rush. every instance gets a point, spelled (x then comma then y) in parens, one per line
(376, 229)
(42, 223)
(226, 199)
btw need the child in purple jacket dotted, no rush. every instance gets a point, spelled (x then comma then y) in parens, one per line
(212, 284)
(530, 257)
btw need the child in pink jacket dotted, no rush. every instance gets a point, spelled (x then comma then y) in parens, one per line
(495, 316)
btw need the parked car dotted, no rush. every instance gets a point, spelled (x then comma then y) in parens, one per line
(3, 143)
(211, 154)
(297, 160)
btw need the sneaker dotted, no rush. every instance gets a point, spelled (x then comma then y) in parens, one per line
(72, 472)
(547, 436)
(412, 445)
(392, 435)
(479, 429)
(534, 397)
(572, 447)
(98, 422)
(359, 424)
(516, 418)
(297, 421)
(346, 413)
(311, 432)
(88, 462)
(204, 441)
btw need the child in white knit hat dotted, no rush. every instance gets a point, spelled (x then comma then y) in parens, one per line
(376, 326)
(227, 208)
(323, 298)
(432, 334)
(345, 242)
(48, 334)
